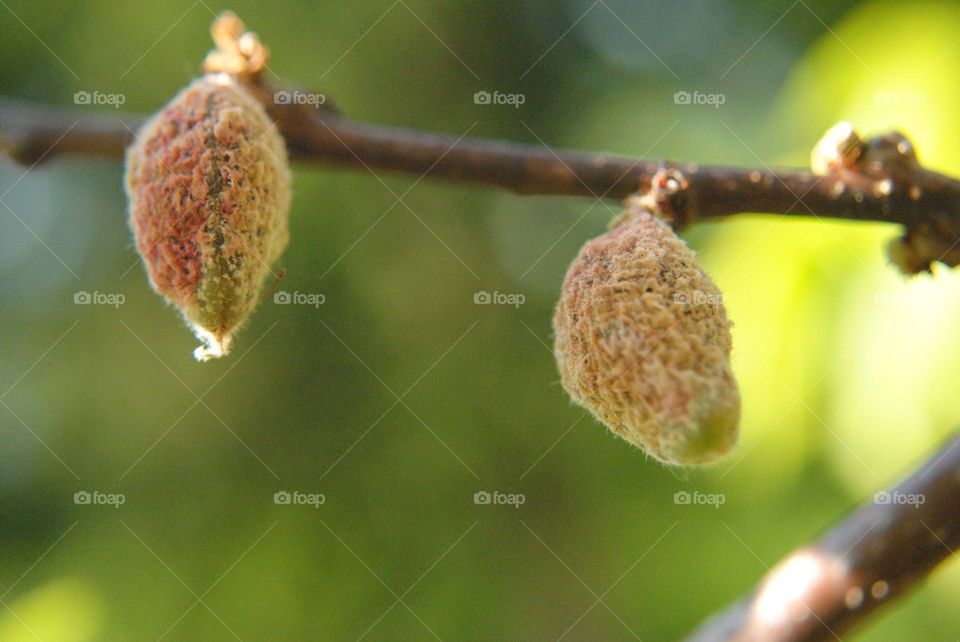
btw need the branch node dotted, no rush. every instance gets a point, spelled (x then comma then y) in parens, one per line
(885, 169)
(667, 197)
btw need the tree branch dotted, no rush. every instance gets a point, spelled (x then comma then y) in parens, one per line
(30, 132)
(872, 557)
(926, 202)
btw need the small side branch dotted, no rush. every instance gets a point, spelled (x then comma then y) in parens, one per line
(871, 558)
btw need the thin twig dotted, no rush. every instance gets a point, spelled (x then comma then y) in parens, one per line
(29, 131)
(869, 559)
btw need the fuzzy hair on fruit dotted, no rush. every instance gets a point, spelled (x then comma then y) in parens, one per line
(642, 340)
(209, 188)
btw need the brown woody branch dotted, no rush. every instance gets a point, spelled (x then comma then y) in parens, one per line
(926, 202)
(871, 558)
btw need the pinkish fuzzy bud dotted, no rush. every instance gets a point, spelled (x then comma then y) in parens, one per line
(643, 342)
(209, 188)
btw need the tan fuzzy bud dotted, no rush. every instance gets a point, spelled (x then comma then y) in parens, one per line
(838, 148)
(209, 188)
(643, 342)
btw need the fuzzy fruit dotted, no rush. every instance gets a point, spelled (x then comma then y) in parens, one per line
(209, 188)
(642, 340)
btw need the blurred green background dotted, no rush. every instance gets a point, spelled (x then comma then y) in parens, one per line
(400, 398)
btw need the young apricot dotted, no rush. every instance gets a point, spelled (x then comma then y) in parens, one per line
(642, 340)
